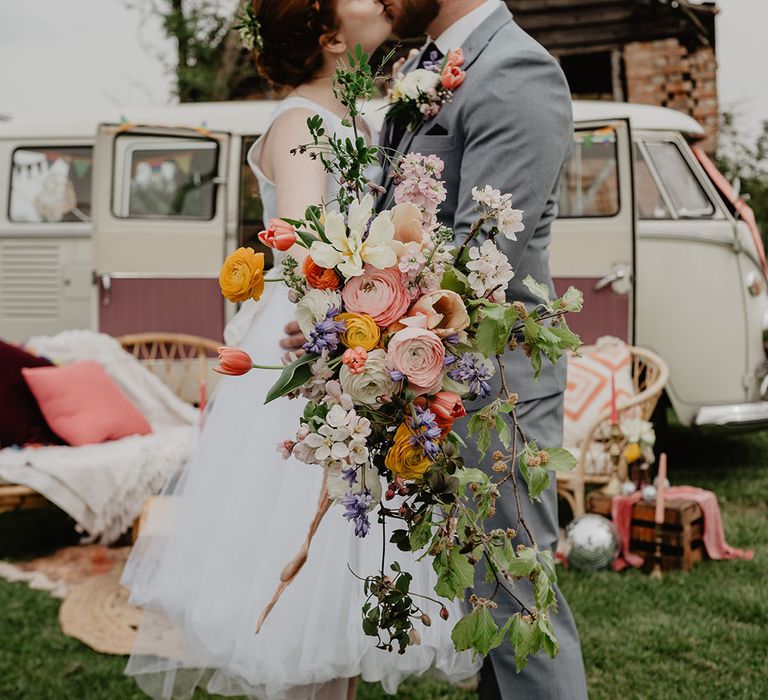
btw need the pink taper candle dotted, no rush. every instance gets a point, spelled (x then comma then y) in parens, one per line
(614, 412)
(661, 488)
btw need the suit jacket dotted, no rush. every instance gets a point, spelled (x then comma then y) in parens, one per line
(509, 125)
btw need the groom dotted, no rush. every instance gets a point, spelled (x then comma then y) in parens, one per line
(509, 125)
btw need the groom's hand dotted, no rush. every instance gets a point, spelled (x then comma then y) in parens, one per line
(293, 342)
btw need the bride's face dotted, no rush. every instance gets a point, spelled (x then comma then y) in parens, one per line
(363, 22)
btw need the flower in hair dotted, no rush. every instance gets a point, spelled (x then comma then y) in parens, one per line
(249, 28)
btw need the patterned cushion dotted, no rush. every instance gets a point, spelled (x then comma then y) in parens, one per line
(588, 394)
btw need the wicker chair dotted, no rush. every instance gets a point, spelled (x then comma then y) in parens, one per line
(183, 362)
(649, 376)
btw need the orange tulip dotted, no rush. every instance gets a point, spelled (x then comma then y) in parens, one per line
(234, 361)
(279, 235)
(447, 408)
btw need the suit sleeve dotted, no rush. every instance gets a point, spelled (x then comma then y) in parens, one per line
(518, 130)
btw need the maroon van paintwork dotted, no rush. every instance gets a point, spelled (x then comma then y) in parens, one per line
(604, 313)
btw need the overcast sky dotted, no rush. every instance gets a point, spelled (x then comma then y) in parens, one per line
(81, 54)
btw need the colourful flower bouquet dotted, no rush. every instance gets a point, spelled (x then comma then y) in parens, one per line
(402, 326)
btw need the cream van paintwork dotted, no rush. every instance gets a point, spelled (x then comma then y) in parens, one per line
(686, 279)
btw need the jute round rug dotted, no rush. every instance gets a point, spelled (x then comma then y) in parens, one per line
(97, 613)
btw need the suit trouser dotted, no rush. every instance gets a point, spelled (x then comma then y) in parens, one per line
(561, 678)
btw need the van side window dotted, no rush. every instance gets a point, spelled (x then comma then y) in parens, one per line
(167, 180)
(589, 184)
(685, 192)
(51, 185)
(650, 201)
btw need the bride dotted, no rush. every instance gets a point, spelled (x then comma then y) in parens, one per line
(241, 512)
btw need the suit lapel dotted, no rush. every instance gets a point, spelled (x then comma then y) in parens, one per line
(472, 47)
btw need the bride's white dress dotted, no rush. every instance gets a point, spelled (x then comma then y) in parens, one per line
(241, 513)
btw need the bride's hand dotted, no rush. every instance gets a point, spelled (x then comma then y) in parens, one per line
(400, 62)
(293, 342)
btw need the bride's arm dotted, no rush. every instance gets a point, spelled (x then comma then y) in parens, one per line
(299, 180)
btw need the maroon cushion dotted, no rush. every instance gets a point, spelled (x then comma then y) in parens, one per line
(20, 418)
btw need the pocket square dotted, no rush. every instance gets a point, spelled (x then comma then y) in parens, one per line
(437, 130)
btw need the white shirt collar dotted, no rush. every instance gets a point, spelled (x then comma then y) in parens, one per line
(455, 36)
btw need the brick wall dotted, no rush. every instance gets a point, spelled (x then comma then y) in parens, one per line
(666, 74)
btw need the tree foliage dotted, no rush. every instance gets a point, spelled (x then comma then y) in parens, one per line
(746, 158)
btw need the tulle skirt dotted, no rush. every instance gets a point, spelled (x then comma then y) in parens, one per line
(240, 513)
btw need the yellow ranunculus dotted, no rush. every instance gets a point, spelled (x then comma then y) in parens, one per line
(405, 460)
(362, 331)
(242, 275)
(632, 452)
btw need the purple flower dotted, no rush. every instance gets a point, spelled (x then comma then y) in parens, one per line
(325, 335)
(350, 476)
(396, 375)
(357, 505)
(449, 359)
(474, 371)
(425, 432)
(432, 61)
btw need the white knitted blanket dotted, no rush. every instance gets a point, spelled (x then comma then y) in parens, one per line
(103, 487)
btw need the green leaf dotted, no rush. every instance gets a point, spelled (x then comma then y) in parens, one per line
(572, 300)
(478, 425)
(454, 572)
(502, 633)
(421, 533)
(524, 564)
(292, 377)
(543, 592)
(494, 326)
(456, 281)
(549, 641)
(537, 289)
(307, 237)
(505, 434)
(476, 630)
(538, 481)
(560, 459)
(526, 638)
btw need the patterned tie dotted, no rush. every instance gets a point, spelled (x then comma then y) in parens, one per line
(431, 58)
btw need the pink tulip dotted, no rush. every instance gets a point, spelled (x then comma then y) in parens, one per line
(447, 407)
(452, 77)
(456, 57)
(354, 359)
(234, 361)
(279, 235)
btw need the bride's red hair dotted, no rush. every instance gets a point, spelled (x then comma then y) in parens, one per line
(293, 33)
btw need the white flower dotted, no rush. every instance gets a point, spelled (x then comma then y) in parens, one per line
(349, 248)
(639, 431)
(316, 387)
(373, 383)
(509, 222)
(496, 205)
(489, 270)
(418, 82)
(313, 307)
(490, 197)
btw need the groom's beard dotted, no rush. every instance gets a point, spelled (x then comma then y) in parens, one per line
(413, 17)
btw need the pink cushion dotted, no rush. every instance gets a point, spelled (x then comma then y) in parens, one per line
(83, 405)
(588, 394)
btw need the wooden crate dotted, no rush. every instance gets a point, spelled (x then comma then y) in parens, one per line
(682, 532)
(16, 497)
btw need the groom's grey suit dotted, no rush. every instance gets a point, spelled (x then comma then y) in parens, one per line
(510, 126)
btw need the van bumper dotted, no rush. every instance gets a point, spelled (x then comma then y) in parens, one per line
(743, 415)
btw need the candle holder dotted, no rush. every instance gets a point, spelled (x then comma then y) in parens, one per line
(658, 538)
(615, 437)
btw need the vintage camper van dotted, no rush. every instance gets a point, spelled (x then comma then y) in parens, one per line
(121, 222)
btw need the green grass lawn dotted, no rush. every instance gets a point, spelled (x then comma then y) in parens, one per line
(702, 634)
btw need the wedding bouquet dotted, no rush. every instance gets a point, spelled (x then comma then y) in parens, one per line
(402, 327)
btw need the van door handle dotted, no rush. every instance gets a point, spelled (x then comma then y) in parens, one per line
(618, 274)
(106, 285)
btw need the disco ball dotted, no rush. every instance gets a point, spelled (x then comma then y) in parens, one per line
(593, 542)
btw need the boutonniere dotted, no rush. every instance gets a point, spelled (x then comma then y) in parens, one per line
(418, 96)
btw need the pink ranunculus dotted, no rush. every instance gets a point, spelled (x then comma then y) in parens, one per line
(355, 359)
(419, 354)
(444, 310)
(279, 235)
(452, 77)
(233, 361)
(378, 293)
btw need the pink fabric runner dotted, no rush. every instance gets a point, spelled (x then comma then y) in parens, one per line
(714, 537)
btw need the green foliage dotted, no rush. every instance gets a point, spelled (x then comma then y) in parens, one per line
(747, 159)
(292, 377)
(454, 574)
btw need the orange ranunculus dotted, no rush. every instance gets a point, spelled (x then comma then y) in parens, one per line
(404, 459)
(360, 331)
(242, 275)
(233, 361)
(319, 277)
(279, 235)
(447, 408)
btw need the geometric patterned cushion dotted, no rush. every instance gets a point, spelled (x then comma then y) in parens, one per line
(588, 393)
